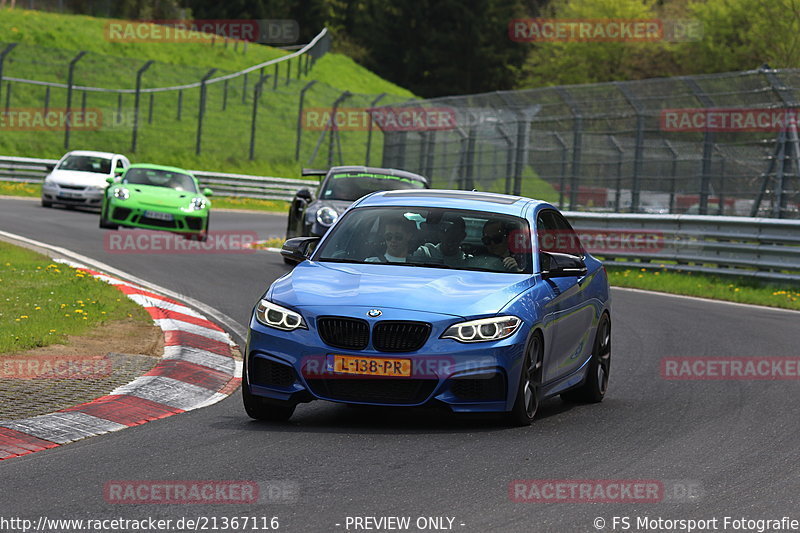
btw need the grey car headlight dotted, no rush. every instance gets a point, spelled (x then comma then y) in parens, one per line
(275, 316)
(483, 330)
(326, 216)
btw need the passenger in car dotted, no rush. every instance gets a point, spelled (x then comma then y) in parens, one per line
(496, 255)
(448, 251)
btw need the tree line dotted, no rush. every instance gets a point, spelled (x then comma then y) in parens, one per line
(447, 47)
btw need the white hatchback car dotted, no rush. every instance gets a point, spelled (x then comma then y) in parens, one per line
(79, 178)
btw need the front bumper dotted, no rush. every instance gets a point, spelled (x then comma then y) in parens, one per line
(296, 367)
(71, 195)
(157, 218)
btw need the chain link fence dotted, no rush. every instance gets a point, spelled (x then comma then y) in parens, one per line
(723, 144)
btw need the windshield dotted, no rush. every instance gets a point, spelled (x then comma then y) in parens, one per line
(160, 178)
(430, 237)
(86, 163)
(351, 186)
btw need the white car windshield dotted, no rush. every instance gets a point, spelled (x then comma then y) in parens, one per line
(86, 163)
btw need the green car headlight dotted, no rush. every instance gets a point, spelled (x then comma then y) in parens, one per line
(197, 204)
(483, 330)
(121, 193)
(275, 316)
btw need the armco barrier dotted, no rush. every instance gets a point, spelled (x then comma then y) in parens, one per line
(34, 170)
(764, 248)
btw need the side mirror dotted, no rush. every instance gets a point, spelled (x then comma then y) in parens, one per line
(299, 249)
(110, 180)
(556, 265)
(118, 171)
(304, 194)
(208, 192)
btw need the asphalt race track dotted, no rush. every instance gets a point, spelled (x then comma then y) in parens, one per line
(734, 443)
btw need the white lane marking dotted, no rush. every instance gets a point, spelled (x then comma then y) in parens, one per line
(66, 427)
(218, 316)
(706, 300)
(200, 357)
(148, 301)
(166, 391)
(168, 324)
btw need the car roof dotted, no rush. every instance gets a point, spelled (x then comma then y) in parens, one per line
(469, 200)
(92, 153)
(161, 167)
(379, 170)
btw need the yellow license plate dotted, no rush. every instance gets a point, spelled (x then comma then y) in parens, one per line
(371, 366)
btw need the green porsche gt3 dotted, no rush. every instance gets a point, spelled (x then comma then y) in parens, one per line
(157, 198)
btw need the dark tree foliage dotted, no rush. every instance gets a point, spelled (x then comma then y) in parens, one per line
(431, 47)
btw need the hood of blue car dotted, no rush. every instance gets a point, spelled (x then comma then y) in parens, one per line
(448, 292)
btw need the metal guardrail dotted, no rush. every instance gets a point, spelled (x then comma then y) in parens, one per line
(764, 248)
(34, 170)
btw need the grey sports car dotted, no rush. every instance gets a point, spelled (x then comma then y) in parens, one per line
(312, 213)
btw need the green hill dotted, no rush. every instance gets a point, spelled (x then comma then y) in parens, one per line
(48, 41)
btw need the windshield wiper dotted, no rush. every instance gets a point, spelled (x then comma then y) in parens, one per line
(429, 265)
(340, 260)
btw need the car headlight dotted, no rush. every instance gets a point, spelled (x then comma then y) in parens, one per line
(326, 216)
(484, 329)
(197, 204)
(121, 193)
(275, 316)
(94, 188)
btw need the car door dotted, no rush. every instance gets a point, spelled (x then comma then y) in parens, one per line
(574, 314)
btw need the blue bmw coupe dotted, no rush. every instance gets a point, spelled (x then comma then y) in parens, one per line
(481, 302)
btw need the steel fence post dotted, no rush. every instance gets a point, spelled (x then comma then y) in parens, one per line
(577, 142)
(68, 113)
(639, 146)
(7, 50)
(372, 104)
(202, 110)
(674, 172)
(334, 130)
(300, 118)
(137, 95)
(618, 180)
(256, 97)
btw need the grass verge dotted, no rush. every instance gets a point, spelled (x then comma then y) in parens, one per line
(43, 302)
(729, 288)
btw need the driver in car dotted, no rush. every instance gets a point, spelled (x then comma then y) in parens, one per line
(397, 236)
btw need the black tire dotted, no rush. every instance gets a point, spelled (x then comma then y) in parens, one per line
(104, 223)
(593, 390)
(529, 390)
(45, 203)
(259, 408)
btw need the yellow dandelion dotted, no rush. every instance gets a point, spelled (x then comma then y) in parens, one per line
(23, 316)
